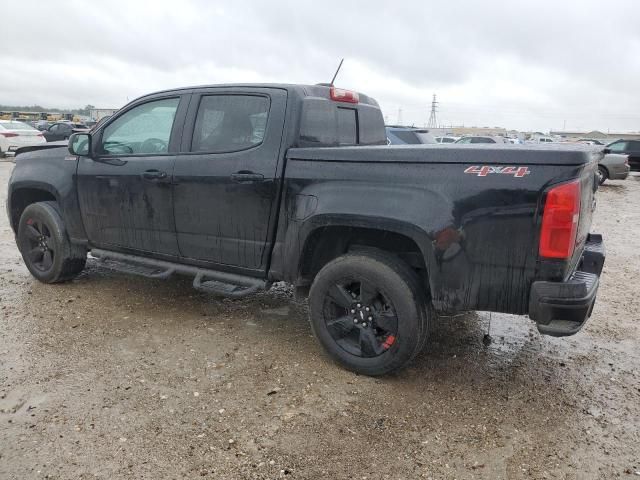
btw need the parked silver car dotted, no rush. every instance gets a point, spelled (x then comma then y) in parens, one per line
(482, 139)
(613, 166)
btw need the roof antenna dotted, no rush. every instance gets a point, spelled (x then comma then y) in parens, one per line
(336, 74)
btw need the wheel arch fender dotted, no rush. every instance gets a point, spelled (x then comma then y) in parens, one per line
(338, 231)
(24, 193)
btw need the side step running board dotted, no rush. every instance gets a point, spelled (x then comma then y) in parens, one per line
(205, 280)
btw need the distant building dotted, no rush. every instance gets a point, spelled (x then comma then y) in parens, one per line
(99, 113)
(596, 134)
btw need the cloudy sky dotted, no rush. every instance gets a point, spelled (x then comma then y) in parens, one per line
(520, 64)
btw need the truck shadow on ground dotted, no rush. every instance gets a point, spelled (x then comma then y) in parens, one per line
(614, 187)
(457, 347)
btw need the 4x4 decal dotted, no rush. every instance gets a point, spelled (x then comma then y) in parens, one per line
(483, 171)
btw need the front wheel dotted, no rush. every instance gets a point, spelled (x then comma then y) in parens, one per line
(602, 175)
(369, 312)
(44, 244)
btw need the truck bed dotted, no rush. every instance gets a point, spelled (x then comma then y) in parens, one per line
(573, 154)
(474, 211)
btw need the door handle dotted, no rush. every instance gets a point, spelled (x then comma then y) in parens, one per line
(154, 175)
(247, 177)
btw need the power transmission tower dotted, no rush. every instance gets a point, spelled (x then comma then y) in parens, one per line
(433, 120)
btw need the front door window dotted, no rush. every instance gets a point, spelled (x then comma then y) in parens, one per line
(143, 130)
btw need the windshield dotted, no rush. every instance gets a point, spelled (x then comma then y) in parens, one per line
(618, 146)
(407, 136)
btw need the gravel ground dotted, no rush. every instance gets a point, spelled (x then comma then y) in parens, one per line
(112, 376)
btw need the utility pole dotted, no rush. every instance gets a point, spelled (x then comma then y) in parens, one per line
(433, 121)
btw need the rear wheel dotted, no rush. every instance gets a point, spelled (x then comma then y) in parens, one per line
(44, 244)
(369, 312)
(602, 174)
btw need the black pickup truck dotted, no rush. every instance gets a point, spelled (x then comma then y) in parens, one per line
(240, 186)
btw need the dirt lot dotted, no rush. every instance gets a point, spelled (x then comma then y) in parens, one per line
(113, 376)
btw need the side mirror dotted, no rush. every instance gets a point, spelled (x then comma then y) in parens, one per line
(606, 151)
(80, 144)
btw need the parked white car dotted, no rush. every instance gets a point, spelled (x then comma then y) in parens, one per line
(542, 140)
(14, 135)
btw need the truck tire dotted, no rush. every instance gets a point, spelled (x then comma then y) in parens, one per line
(369, 312)
(44, 244)
(603, 174)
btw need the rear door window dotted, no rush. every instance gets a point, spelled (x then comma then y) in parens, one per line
(230, 123)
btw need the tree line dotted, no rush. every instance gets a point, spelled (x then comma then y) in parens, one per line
(38, 108)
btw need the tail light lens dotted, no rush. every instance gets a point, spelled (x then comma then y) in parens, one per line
(560, 221)
(8, 134)
(341, 95)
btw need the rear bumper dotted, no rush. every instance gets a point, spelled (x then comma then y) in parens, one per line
(619, 173)
(562, 308)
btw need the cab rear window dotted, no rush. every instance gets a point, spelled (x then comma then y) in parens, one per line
(323, 123)
(347, 126)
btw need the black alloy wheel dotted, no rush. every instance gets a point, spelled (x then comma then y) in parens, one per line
(45, 246)
(41, 248)
(370, 311)
(360, 318)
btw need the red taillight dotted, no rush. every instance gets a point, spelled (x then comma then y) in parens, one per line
(40, 135)
(560, 221)
(341, 95)
(8, 134)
